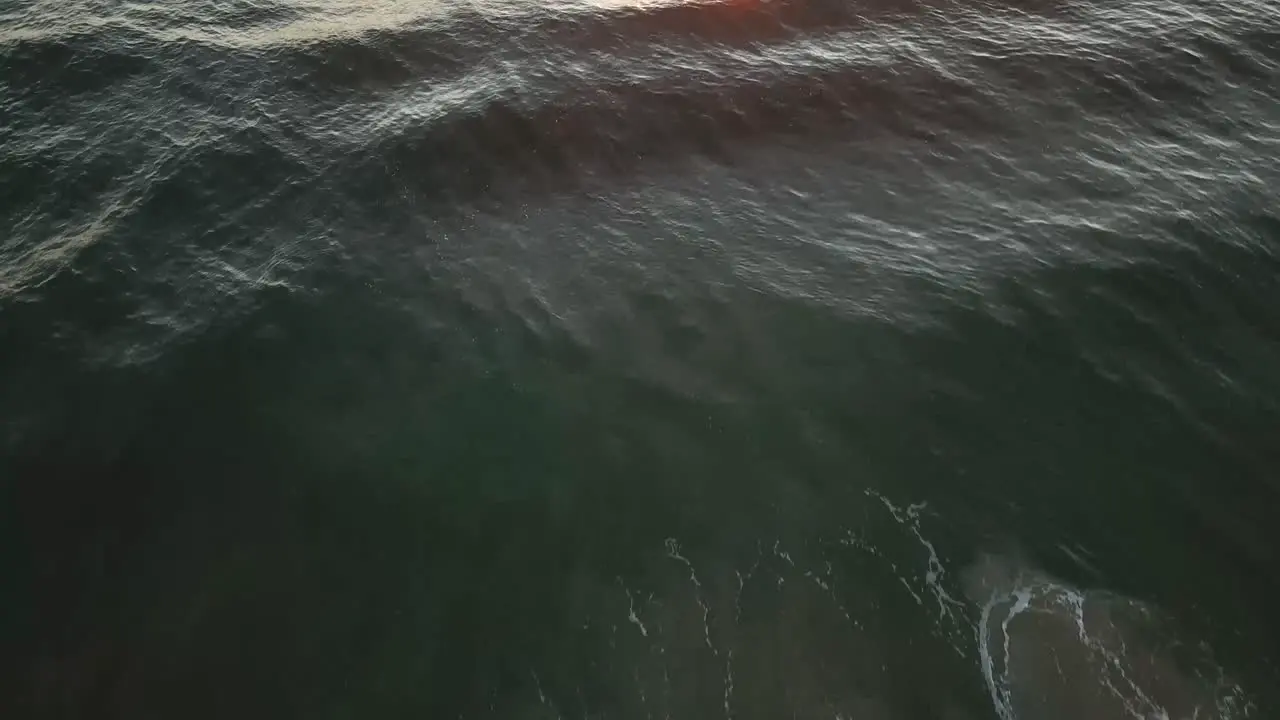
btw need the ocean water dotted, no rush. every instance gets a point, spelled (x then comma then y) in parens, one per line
(858, 359)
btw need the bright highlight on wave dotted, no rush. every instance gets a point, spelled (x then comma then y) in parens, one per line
(246, 24)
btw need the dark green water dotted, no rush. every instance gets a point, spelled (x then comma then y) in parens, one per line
(748, 361)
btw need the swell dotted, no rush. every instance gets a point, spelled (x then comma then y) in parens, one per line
(549, 132)
(423, 49)
(600, 25)
(39, 71)
(615, 130)
(276, 144)
(1174, 64)
(241, 378)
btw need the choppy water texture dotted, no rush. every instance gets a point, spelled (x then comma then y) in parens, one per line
(877, 360)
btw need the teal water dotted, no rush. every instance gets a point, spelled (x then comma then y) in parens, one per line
(790, 360)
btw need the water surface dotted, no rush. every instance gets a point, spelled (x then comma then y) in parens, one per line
(809, 358)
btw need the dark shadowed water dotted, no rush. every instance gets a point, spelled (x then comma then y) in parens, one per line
(874, 359)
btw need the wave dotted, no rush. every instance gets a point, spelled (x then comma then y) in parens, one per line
(218, 149)
(1048, 650)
